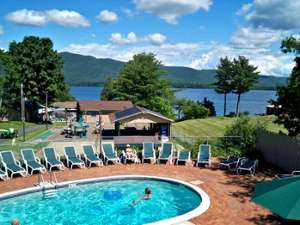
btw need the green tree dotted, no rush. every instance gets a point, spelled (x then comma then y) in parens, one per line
(107, 92)
(141, 81)
(245, 76)
(38, 67)
(188, 109)
(287, 105)
(224, 75)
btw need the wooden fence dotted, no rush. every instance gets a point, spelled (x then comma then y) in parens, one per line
(280, 150)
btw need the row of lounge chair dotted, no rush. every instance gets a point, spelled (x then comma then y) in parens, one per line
(52, 160)
(10, 166)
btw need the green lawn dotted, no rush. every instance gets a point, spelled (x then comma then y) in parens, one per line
(13, 124)
(216, 126)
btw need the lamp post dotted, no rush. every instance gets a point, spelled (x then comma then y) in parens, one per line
(23, 111)
(46, 111)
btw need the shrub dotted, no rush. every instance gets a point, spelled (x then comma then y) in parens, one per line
(240, 138)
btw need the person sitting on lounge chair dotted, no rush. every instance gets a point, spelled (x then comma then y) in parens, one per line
(129, 153)
(147, 196)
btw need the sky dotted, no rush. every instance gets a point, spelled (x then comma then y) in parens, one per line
(192, 33)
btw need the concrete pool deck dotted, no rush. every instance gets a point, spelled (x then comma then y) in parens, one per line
(229, 194)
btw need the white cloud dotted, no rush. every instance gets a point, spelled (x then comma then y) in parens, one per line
(169, 54)
(156, 38)
(27, 17)
(275, 14)
(1, 30)
(41, 18)
(67, 18)
(106, 16)
(171, 10)
(128, 12)
(132, 38)
(248, 37)
(244, 9)
(195, 55)
(268, 62)
(117, 38)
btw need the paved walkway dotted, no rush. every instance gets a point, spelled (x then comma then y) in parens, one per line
(229, 194)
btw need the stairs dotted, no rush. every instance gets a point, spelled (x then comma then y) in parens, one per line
(49, 193)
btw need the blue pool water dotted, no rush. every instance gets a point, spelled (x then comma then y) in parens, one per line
(102, 203)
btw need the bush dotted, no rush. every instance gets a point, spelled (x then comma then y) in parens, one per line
(240, 138)
(188, 109)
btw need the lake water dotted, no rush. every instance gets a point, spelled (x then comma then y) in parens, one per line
(254, 101)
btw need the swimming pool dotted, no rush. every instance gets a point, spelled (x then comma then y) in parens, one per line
(107, 201)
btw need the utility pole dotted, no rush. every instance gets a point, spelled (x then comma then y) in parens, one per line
(23, 111)
(46, 110)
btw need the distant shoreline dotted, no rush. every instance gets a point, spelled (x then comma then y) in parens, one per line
(178, 87)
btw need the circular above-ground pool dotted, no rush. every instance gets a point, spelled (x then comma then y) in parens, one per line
(105, 201)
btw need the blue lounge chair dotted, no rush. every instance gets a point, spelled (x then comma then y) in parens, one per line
(247, 165)
(109, 153)
(148, 152)
(4, 174)
(90, 156)
(166, 153)
(204, 155)
(31, 162)
(230, 163)
(52, 159)
(11, 164)
(183, 156)
(72, 157)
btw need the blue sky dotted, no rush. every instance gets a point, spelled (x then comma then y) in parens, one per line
(193, 33)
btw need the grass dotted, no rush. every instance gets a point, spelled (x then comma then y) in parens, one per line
(190, 133)
(216, 126)
(14, 124)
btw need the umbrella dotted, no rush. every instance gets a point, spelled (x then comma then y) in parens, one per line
(281, 196)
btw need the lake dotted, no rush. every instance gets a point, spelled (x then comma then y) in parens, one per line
(254, 101)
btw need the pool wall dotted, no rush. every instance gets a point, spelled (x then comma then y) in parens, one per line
(204, 205)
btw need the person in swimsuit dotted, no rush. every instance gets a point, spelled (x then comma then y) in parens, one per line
(147, 196)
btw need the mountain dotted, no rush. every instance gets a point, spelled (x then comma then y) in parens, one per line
(82, 70)
(88, 70)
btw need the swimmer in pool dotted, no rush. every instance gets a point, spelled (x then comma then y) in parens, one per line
(147, 196)
(15, 222)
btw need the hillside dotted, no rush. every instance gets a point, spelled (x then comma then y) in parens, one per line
(88, 70)
(82, 70)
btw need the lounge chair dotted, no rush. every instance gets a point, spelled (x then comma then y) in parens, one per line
(230, 163)
(166, 153)
(204, 155)
(3, 174)
(73, 159)
(148, 152)
(183, 156)
(109, 153)
(294, 173)
(90, 156)
(247, 165)
(31, 161)
(52, 159)
(11, 164)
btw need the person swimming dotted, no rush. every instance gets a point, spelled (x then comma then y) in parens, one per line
(147, 196)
